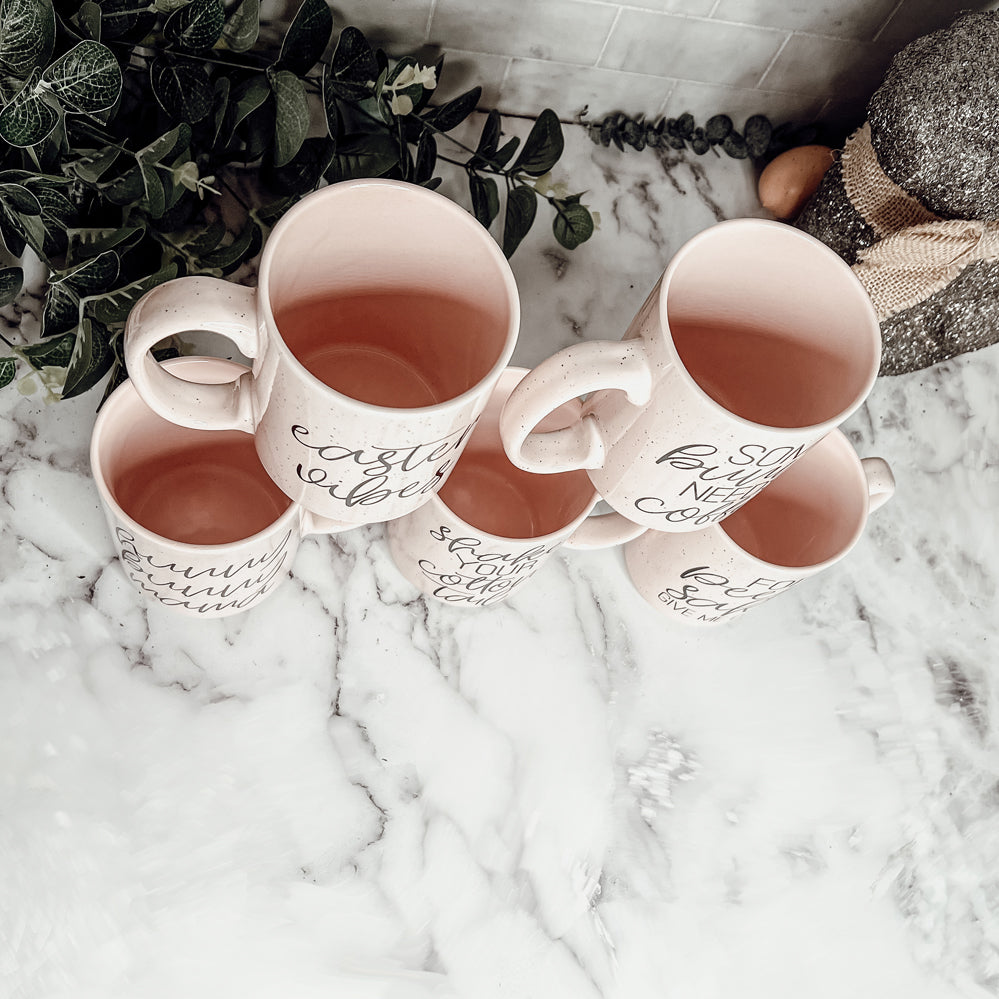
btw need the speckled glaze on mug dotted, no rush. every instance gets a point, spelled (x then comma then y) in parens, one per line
(344, 459)
(656, 445)
(200, 581)
(815, 512)
(454, 560)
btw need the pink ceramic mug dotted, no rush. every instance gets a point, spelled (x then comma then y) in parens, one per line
(757, 340)
(801, 523)
(383, 315)
(197, 523)
(493, 525)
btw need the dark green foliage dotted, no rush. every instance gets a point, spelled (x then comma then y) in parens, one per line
(759, 140)
(129, 131)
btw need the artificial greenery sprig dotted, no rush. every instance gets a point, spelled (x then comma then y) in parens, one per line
(143, 141)
(759, 139)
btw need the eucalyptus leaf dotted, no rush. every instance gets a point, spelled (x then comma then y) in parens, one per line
(155, 196)
(292, 115)
(12, 237)
(96, 274)
(717, 127)
(426, 158)
(209, 238)
(114, 306)
(91, 360)
(489, 138)
(485, 198)
(197, 25)
(220, 101)
(372, 155)
(543, 145)
(347, 90)
(121, 18)
(61, 312)
(353, 58)
(572, 225)
(267, 215)
(757, 132)
(334, 120)
(244, 247)
(92, 166)
(243, 26)
(55, 352)
(86, 79)
(58, 213)
(8, 370)
(17, 199)
(82, 244)
(249, 95)
(27, 35)
(166, 145)
(521, 209)
(307, 37)
(735, 145)
(126, 188)
(452, 114)
(29, 118)
(88, 20)
(182, 88)
(303, 173)
(256, 131)
(11, 279)
(505, 153)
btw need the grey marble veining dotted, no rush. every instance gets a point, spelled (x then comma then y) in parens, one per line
(351, 791)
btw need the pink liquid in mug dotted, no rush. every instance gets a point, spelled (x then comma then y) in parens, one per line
(397, 348)
(490, 493)
(210, 491)
(763, 377)
(787, 529)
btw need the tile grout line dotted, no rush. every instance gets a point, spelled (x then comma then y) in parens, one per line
(607, 38)
(770, 65)
(671, 80)
(877, 34)
(430, 21)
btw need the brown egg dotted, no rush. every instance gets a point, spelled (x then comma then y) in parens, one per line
(791, 178)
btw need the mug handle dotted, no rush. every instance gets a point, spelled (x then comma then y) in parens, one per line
(313, 523)
(562, 378)
(179, 306)
(603, 530)
(880, 482)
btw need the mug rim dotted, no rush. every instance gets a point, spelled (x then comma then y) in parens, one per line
(342, 189)
(515, 374)
(835, 438)
(815, 245)
(127, 392)
(559, 536)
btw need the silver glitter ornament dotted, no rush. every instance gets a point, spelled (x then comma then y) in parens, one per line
(930, 128)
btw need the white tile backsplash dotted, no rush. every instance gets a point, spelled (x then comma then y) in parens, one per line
(827, 67)
(533, 84)
(566, 31)
(789, 59)
(691, 48)
(705, 99)
(835, 18)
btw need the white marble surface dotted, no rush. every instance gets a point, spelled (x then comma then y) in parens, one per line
(349, 792)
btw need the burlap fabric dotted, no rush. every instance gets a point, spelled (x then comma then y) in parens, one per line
(917, 253)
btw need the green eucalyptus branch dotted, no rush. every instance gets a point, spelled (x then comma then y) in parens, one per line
(141, 143)
(759, 139)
